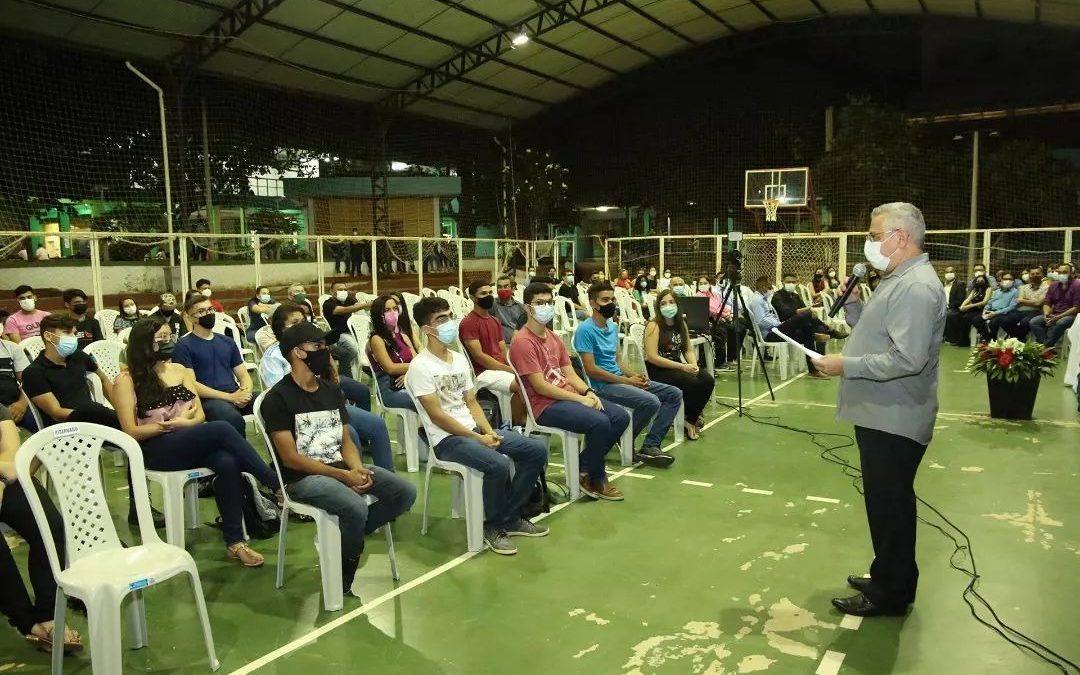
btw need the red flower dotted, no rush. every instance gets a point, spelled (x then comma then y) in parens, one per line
(984, 356)
(1005, 359)
(1048, 354)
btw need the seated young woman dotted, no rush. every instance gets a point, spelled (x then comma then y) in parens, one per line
(33, 619)
(670, 359)
(390, 350)
(157, 406)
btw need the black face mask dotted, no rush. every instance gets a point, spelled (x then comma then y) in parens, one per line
(318, 362)
(207, 321)
(79, 309)
(486, 302)
(607, 311)
(165, 311)
(165, 350)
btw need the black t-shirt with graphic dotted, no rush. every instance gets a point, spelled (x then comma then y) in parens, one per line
(315, 419)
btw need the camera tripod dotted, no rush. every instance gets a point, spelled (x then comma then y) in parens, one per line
(734, 293)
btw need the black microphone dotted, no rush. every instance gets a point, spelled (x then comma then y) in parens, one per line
(857, 272)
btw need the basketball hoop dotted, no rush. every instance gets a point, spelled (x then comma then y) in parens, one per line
(771, 205)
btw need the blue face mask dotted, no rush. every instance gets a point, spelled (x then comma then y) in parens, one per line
(544, 313)
(66, 345)
(669, 311)
(447, 332)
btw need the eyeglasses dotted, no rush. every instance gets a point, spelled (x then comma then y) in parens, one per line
(871, 237)
(541, 303)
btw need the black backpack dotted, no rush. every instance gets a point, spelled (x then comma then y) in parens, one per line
(262, 519)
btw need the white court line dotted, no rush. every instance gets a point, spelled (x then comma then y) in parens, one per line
(647, 476)
(697, 483)
(851, 622)
(755, 491)
(827, 500)
(954, 415)
(830, 663)
(315, 633)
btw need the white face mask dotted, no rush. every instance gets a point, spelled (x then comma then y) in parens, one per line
(832, 275)
(265, 299)
(1025, 277)
(872, 251)
(949, 276)
(28, 304)
(130, 310)
(790, 288)
(667, 275)
(1006, 283)
(703, 287)
(206, 292)
(341, 296)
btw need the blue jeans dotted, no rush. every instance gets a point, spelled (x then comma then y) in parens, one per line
(344, 350)
(1050, 336)
(371, 429)
(602, 429)
(393, 398)
(355, 391)
(503, 498)
(217, 409)
(217, 446)
(355, 517)
(658, 399)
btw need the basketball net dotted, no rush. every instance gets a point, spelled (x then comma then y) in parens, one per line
(771, 205)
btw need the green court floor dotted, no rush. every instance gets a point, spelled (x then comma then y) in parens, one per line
(682, 577)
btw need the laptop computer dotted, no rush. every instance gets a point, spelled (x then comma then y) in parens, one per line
(695, 311)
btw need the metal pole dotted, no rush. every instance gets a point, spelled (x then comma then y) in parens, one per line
(185, 270)
(719, 253)
(779, 258)
(374, 269)
(419, 265)
(320, 262)
(973, 219)
(164, 156)
(1068, 245)
(95, 271)
(660, 263)
(607, 270)
(842, 257)
(257, 250)
(496, 267)
(460, 267)
(208, 189)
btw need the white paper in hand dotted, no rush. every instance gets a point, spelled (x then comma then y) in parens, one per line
(809, 352)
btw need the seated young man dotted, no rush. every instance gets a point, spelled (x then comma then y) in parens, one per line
(336, 310)
(166, 311)
(481, 335)
(802, 327)
(440, 382)
(56, 383)
(509, 312)
(203, 287)
(597, 341)
(13, 363)
(27, 321)
(220, 374)
(87, 329)
(561, 399)
(306, 418)
(363, 425)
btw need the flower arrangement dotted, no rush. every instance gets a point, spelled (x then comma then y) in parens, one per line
(1011, 360)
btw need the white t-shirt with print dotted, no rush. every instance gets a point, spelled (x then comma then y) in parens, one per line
(428, 374)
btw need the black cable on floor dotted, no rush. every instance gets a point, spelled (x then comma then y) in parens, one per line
(961, 544)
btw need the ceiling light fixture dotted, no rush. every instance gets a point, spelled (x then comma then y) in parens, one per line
(519, 39)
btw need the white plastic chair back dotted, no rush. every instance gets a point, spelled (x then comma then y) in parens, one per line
(33, 346)
(565, 314)
(244, 316)
(122, 336)
(107, 354)
(322, 300)
(427, 292)
(454, 290)
(410, 301)
(105, 319)
(519, 294)
(572, 443)
(637, 338)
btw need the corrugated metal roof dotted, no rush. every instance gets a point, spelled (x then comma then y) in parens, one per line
(451, 59)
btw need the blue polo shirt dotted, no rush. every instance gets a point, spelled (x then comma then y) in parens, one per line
(602, 343)
(212, 360)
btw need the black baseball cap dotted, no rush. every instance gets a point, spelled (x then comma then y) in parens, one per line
(301, 333)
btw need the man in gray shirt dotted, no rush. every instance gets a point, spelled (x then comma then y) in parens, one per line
(889, 368)
(509, 312)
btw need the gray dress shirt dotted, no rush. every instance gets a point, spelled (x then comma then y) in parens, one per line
(891, 358)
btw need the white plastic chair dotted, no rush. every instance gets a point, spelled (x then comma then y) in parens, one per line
(637, 335)
(32, 346)
(572, 443)
(427, 293)
(264, 336)
(454, 290)
(106, 318)
(244, 317)
(359, 325)
(782, 351)
(180, 500)
(107, 354)
(327, 532)
(122, 336)
(225, 321)
(503, 397)
(99, 570)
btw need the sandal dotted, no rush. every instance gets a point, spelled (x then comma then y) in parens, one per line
(41, 637)
(247, 556)
(691, 431)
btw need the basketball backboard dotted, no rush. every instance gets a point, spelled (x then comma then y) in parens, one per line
(790, 186)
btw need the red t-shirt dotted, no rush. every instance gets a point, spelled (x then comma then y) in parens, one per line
(547, 355)
(488, 331)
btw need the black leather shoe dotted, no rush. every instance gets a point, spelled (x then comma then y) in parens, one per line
(860, 605)
(159, 517)
(858, 582)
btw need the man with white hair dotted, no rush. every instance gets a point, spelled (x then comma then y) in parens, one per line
(889, 370)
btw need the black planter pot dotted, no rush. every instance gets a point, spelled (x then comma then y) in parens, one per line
(1012, 400)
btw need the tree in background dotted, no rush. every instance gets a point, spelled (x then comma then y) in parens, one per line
(542, 192)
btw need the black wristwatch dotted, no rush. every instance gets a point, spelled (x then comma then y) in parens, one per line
(590, 390)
